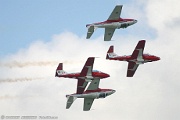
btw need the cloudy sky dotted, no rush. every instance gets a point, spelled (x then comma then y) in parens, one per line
(35, 35)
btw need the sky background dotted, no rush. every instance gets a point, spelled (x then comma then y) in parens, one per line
(35, 35)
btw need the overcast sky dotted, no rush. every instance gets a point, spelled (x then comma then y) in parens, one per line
(35, 35)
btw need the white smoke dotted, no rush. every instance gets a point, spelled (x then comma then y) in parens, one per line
(12, 80)
(14, 64)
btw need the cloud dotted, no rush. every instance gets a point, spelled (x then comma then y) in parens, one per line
(153, 93)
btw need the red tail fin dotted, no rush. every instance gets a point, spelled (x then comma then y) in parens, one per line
(110, 53)
(59, 70)
(111, 50)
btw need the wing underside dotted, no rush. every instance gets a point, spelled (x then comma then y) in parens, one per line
(88, 103)
(115, 13)
(108, 34)
(81, 86)
(94, 84)
(132, 67)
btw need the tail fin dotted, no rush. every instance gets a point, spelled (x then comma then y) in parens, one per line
(91, 30)
(110, 53)
(59, 70)
(70, 100)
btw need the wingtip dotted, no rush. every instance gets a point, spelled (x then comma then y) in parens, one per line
(142, 41)
(119, 5)
(91, 57)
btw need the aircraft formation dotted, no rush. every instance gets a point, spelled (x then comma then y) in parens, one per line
(88, 75)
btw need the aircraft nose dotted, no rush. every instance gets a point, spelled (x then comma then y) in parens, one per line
(158, 58)
(135, 21)
(108, 75)
(113, 91)
(105, 75)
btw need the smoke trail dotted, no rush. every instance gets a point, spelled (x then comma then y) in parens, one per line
(27, 64)
(38, 63)
(10, 80)
(16, 96)
(7, 97)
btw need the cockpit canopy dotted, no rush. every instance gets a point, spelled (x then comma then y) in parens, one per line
(97, 71)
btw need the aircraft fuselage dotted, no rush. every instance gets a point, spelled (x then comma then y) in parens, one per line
(95, 74)
(95, 94)
(117, 24)
(146, 58)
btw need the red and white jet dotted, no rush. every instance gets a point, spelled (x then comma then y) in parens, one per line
(133, 60)
(93, 92)
(113, 22)
(86, 75)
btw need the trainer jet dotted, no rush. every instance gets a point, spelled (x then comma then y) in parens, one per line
(133, 60)
(113, 22)
(86, 75)
(93, 92)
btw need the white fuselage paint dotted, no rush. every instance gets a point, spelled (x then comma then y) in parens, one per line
(94, 95)
(140, 61)
(116, 25)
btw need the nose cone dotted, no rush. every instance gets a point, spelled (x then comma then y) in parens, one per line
(158, 58)
(110, 92)
(113, 91)
(135, 21)
(103, 75)
(132, 22)
(107, 75)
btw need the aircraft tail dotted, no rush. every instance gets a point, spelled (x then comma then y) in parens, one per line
(110, 53)
(70, 100)
(59, 70)
(91, 30)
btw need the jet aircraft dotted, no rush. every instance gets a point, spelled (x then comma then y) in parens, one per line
(133, 60)
(86, 75)
(93, 92)
(113, 22)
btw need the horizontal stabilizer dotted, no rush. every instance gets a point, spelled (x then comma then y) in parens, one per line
(70, 100)
(90, 32)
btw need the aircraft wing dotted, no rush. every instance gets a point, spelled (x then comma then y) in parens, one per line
(87, 69)
(108, 34)
(94, 84)
(132, 67)
(85, 75)
(138, 51)
(116, 13)
(88, 103)
(81, 85)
